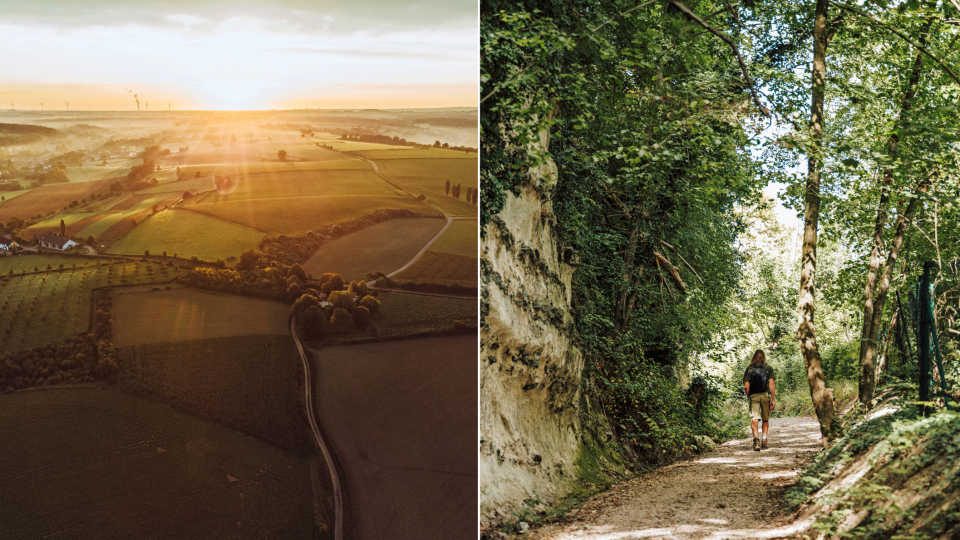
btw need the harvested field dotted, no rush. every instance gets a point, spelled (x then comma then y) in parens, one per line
(460, 238)
(415, 153)
(404, 314)
(402, 419)
(282, 185)
(221, 169)
(187, 314)
(187, 234)
(383, 247)
(203, 152)
(442, 269)
(246, 382)
(100, 463)
(68, 220)
(299, 215)
(429, 176)
(39, 309)
(49, 198)
(204, 183)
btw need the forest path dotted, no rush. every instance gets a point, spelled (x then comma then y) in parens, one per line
(730, 492)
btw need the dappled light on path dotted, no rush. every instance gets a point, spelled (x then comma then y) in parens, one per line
(731, 492)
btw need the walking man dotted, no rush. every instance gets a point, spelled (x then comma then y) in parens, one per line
(760, 385)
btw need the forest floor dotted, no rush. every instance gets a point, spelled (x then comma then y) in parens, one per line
(729, 492)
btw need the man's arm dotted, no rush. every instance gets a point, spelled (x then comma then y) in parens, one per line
(773, 391)
(746, 388)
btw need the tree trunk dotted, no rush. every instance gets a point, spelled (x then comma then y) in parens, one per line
(868, 333)
(868, 386)
(822, 398)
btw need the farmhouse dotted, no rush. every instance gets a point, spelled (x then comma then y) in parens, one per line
(6, 242)
(56, 242)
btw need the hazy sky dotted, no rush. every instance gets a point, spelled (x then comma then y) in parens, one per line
(253, 54)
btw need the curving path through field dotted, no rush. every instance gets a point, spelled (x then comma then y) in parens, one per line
(318, 436)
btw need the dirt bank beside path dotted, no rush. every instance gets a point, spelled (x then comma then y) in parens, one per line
(731, 492)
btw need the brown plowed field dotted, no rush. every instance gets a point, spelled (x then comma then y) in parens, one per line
(402, 418)
(49, 198)
(383, 247)
(99, 463)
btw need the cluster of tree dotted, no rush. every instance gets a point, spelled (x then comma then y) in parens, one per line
(53, 175)
(455, 190)
(343, 309)
(270, 282)
(10, 186)
(397, 141)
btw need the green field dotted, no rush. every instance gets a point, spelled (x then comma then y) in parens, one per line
(401, 152)
(383, 247)
(7, 195)
(130, 208)
(204, 183)
(28, 262)
(443, 269)
(100, 463)
(188, 314)
(91, 172)
(460, 238)
(282, 185)
(298, 215)
(187, 234)
(403, 314)
(38, 309)
(429, 176)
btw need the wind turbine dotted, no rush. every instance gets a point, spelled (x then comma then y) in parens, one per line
(41, 106)
(11, 106)
(68, 105)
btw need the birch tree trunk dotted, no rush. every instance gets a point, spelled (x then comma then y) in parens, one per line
(822, 398)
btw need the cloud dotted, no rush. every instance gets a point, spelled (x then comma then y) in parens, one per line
(331, 16)
(423, 53)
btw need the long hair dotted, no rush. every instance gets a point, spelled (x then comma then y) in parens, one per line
(758, 358)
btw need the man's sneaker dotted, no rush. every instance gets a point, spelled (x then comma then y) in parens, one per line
(756, 444)
(764, 444)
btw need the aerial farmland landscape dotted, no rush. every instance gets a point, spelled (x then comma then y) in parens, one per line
(238, 324)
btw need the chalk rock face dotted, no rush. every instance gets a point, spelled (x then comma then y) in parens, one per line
(529, 370)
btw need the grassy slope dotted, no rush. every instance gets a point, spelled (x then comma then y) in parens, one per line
(187, 234)
(187, 314)
(49, 198)
(894, 476)
(383, 247)
(86, 463)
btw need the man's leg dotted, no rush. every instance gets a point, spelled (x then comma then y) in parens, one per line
(753, 426)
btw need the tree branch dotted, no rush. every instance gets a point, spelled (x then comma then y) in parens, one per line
(673, 249)
(743, 66)
(902, 36)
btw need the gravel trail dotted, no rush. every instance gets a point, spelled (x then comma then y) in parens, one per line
(730, 492)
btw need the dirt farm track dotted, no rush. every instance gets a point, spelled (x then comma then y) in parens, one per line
(412, 468)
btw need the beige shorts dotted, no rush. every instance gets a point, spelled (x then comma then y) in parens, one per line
(760, 407)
